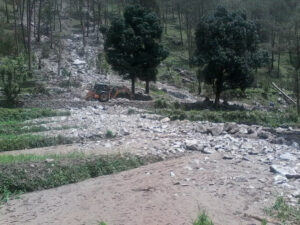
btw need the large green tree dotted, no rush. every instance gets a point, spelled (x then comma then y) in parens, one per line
(133, 45)
(227, 50)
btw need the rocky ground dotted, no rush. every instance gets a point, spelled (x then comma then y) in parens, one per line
(232, 171)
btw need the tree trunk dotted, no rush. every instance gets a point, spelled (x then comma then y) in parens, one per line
(29, 32)
(15, 27)
(298, 92)
(180, 23)
(39, 22)
(133, 86)
(199, 87)
(6, 11)
(278, 64)
(217, 99)
(147, 90)
(218, 90)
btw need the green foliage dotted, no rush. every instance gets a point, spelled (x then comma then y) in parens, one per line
(7, 44)
(27, 114)
(227, 49)
(102, 65)
(132, 44)
(102, 223)
(18, 142)
(130, 112)
(33, 176)
(160, 104)
(264, 222)
(12, 128)
(13, 72)
(203, 219)
(271, 119)
(109, 134)
(11, 159)
(8, 195)
(284, 212)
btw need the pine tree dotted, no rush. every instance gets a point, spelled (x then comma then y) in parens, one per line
(132, 45)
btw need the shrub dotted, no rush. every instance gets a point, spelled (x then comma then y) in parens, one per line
(203, 219)
(160, 104)
(13, 73)
(109, 134)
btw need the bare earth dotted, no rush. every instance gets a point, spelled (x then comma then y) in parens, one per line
(168, 192)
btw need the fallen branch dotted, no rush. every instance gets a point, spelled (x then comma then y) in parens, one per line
(261, 219)
(284, 94)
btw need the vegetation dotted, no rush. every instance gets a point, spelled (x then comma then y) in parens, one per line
(227, 50)
(18, 142)
(285, 213)
(272, 119)
(27, 176)
(203, 219)
(132, 45)
(8, 159)
(16, 134)
(13, 72)
(20, 115)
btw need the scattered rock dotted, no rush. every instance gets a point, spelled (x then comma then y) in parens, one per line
(49, 160)
(215, 131)
(231, 128)
(287, 157)
(263, 135)
(78, 62)
(227, 157)
(283, 170)
(207, 150)
(279, 179)
(165, 120)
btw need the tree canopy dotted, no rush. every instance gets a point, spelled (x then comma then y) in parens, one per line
(227, 50)
(133, 46)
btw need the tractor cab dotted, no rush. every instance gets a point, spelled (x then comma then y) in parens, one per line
(103, 91)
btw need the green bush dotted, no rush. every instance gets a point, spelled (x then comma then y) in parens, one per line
(203, 219)
(109, 134)
(284, 212)
(13, 73)
(160, 104)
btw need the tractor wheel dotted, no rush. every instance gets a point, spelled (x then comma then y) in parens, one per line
(104, 97)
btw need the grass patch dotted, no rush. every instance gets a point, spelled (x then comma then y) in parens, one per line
(272, 119)
(203, 219)
(8, 159)
(39, 175)
(18, 142)
(16, 128)
(16, 135)
(285, 213)
(27, 114)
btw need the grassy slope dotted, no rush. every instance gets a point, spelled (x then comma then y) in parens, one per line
(15, 134)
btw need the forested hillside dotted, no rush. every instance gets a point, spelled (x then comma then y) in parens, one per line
(276, 22)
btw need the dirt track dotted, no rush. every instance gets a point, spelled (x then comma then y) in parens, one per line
(170, 192)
